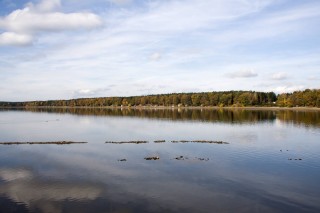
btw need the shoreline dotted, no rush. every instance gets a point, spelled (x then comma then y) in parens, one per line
(268, 108)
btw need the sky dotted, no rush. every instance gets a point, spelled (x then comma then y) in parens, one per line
(64, 49)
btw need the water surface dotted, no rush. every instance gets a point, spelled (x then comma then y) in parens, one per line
(271, 163)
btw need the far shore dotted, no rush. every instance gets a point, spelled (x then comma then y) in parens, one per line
(273, 108)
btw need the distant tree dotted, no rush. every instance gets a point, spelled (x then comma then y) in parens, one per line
(195, 99)
(308, 97)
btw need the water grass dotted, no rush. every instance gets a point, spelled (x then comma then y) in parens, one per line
(181, 158)
(159, 141)
(152, 158)
(204, 141)
(199, 141)
(51, 142)
(186, 158)
(294, 158)
(203, 159)
(127, 142)
(180, 141)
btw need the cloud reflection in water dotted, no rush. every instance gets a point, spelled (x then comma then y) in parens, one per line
(22, 186)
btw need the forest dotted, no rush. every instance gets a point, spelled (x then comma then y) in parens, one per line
(306, 98)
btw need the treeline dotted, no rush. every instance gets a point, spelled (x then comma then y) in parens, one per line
(229, 98)
(307, 98)
(310, 98)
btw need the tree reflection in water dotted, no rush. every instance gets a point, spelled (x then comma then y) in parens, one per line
(306, 118)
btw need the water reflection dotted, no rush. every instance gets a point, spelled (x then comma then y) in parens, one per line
(307, 118)
(24, 187)
(250, 174)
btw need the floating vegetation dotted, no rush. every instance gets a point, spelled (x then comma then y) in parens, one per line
(31, 143)
(181, 141)
(160, 141)
(176, 158)
(200, 141)
(152, 158)
(186, 158)
(163, 141)
(203, 159)
(294, 159)
(181, 158)
(127, 142)
(204, 141)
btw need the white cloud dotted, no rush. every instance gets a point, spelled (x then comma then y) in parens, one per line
(29, 21)
(120, 2)
(289, 21)
(249, 73)
(90, 92)
(14, 39)
(181, 16)
(228, 36)
(280, 76)
(288, 88)
(84, 92)
(21, 24)
(155, 56)
(46, 5)
(313, 78)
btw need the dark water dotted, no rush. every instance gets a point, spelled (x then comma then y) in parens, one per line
(271, 164)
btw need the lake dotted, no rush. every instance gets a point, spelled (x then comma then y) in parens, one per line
(212, 160)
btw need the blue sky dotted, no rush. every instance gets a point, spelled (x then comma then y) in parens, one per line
(52, 49)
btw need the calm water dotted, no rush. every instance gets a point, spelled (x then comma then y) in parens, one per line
(253, 173)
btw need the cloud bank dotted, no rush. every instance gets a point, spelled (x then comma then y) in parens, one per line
(71, 49)
(279, 76)
(242, 74)
(15, 39)
(21, 25)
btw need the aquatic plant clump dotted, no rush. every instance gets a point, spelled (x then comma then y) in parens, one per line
(127, 142)
(181, 158)
(31, 143)
(152, 158)
(163, 141)
(203, 159)
(199, 141)
(159, 141)
(180, 141)
(186, 158)
(204, 141)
